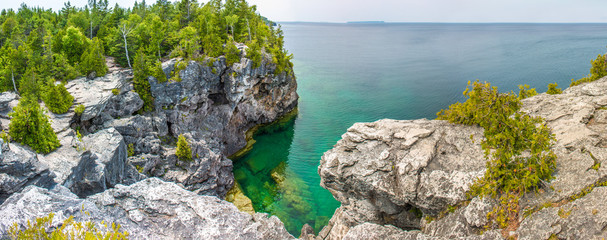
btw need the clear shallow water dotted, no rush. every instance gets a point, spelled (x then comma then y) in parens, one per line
(349, 73)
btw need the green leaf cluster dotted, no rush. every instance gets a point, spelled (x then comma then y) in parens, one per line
(516, 145)
(232, 53)
(30, 126)
(598, 70)
(552, 89)
(525, 91)
(41, 228)
(184, 151)
(57, 99)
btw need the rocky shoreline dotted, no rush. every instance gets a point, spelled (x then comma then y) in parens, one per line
(396, 179)
(119, 164)
(408, 179)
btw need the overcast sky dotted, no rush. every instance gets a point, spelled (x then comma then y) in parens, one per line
(403, 10)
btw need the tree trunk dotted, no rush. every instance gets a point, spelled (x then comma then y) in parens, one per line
(249, 28)
(91, 36)
(126, 49)
(14, 85)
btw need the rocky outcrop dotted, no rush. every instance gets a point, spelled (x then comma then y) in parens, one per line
(19, 168)
(102, 166)
(150, 209)
(390, 174)
(213, 105)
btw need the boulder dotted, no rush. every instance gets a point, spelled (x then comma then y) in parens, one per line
(100, 167)
(149, 209)
(20, 167)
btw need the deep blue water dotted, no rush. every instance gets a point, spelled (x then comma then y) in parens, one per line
(351, 73)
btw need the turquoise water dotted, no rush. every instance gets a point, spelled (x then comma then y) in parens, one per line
(351, 73)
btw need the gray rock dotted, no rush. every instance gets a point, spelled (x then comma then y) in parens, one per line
(100, 168)
(20, 167)
(96, 94)
(380, 171)
(374, 231)
(476, 212)
(150, 209)
(123, 105)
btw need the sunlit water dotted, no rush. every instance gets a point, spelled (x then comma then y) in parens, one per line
(349, 73)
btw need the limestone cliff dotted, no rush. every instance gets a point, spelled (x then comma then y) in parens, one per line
(112, 144)
(390, 174)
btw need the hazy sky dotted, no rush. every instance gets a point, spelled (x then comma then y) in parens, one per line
(404, 10)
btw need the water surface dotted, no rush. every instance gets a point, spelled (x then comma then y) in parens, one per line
(349, 73)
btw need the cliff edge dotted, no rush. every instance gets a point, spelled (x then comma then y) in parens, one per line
(408, 179)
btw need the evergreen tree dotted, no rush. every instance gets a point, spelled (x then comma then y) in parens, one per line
(232, 53)
(140, 80)
(73, 44)
(57, 98)
(93, 59)
(184, 151)
(30, 126)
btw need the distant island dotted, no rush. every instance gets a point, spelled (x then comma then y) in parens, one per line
(365, 22)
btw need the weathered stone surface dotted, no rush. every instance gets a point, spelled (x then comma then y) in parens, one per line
(150, 209)
(374, 231)
(95, 94)
(380, 171)
(20, 167)
(124, 104)
(373, 180)
(102, 166)
(8, 100)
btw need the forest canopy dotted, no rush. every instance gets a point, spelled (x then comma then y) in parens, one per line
(41, 49)
(73, 41)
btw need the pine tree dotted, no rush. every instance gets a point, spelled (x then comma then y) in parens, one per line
(184, 151)
(93, 59)
(232, 53)
(141, 84)
(57, 98)
(30, 126)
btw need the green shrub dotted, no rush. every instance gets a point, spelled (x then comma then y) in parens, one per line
(552, 89)
(508, 134)
(254, 53)
(79, 109)
(184, 151)
(525, 91)
(179, 66)
(57, 98)
(130, 150)
(157, 72)
(232, 53)
(40, 228)
(115, 91)
(517, 147)
(598, 70)
(30, 126)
